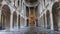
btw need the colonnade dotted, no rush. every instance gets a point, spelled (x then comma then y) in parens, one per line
(46, 21)
(12, 19)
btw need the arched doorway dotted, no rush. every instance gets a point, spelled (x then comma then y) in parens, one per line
(55, 13)
(48, 19)
(5, 17)
(14, 19)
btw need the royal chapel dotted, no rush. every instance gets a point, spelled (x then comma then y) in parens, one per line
(29, 17)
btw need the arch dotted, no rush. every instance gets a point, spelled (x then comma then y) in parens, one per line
(48, 19)
(5, 17)
(55, 15)
(14, 19)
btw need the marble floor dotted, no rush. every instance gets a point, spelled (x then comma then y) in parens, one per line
(31, 30)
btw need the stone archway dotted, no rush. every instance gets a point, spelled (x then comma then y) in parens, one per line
(5, 17)
(14, 19)
(55, 15)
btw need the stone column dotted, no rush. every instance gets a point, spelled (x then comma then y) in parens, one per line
(0, 20)
(3, 23)
(45, 21)
(41, 21)
(25, 11)
(11, 21)
(0, 16)
(51, 18)
(29, 16)
(25, 22)
(17, 21)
